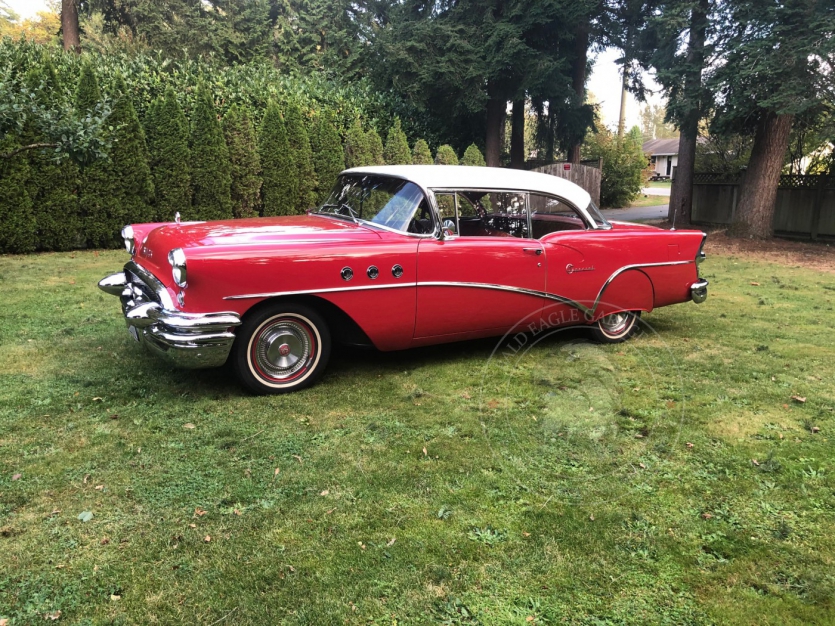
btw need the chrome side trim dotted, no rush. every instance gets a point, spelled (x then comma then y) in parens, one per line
(527, 292)
(620, 271)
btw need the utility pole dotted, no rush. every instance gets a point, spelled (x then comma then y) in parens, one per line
(622, 118)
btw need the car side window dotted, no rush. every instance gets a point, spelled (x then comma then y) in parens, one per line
(550, 215)
(485, 213)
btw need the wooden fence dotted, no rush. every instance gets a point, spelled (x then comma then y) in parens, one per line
(805, 206)
(587, 175)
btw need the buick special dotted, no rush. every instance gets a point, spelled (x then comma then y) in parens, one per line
(396, 257)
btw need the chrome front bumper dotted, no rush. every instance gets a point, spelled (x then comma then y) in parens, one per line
(191, 340)
(698, 291)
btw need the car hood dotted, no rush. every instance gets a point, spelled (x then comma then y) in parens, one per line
(245, 236)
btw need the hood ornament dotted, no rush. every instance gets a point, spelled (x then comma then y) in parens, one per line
(177, 217)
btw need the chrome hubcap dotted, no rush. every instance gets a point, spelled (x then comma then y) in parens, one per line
(615, 323)
(283, 349)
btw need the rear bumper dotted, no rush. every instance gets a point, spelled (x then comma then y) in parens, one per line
(190, 340)
(698, 291)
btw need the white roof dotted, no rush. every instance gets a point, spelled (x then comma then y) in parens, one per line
(467, 177)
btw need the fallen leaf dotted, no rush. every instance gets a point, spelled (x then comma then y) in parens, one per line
(115, 416)
(114, 597)
(707, 516)
(192, 525)
(785, 406)
(291, 568)
(591, 517)
(277, 470)
(99, 487)
(236, 512)
(85, 516)
(4, 621)
(639, 436)
(207, 538)
(529, 618)
(17, 476)
(689, 445)
(190, 426)
(298, 458)
(86, 476)
(424, 451)
(104, 541)
(329, 512)
(799, 399)
(200, 512)
(642, 466)
(55, 615)
(97, 399)
(466, 396)
(324, 492)
(755, 284)
(670, 404)
(755, 462)
(816, 429)
(524, 534)
(391, 542)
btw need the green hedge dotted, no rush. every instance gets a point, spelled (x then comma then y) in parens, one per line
(181, 136)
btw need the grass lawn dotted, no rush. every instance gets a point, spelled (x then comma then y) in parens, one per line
(643, 200)
(661, 184)
(669, 480)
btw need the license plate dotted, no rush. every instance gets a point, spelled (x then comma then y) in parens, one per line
(134, 333)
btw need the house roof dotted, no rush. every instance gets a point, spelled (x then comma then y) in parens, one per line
(661, 146)
(463, 177)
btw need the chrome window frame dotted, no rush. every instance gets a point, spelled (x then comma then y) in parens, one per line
(455, 190)
(590, 224)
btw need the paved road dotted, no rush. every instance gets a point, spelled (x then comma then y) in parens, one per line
(638, 214)
(656, 191)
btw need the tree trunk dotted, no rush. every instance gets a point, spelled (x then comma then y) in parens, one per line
(517, 135)
(622, 116)
(681, 195)
(578, 80)
(755, 212)
(69, 25)
(495, 120)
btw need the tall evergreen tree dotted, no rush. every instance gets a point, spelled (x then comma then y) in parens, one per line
(53, 186)
(328, 156)
(211, 178)
(246, 165)
(167, 132)
(88, 94)
(446, 156)
(17, 222)
(421, 155)
(397, 151)
(375, 148)
(278, 166)
(118, 190)
(356, 147)
(303, 157)
(473, 156)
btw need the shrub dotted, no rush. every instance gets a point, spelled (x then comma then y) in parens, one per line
(397, 150)
(328, 156)
(210, 177)
(623, 167)
(446, 156)
(167, 133)
(118, 190)
(356, 147)
(17, 222)
(299, 144)
(278, 167)
(421, 154)
(244, 162)
(375, 148)
(473, 156)
(88, 94)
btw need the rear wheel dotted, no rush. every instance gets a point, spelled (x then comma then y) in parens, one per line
(616, 327)
(281, 348)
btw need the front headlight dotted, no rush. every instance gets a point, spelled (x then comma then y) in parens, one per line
(177, 259)
(127, 236)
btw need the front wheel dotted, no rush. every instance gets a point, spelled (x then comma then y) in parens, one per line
(281, 348)
(616, 327)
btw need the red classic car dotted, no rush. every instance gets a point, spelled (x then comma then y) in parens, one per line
(397, 257)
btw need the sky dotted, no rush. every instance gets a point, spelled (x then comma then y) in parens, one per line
(604, 81)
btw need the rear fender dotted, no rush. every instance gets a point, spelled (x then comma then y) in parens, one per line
(630, 291)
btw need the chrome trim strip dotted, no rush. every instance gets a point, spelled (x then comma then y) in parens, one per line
(531, 292)
(631, 267)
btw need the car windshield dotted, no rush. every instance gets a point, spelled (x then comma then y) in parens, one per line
(597, 216)
(382, 201)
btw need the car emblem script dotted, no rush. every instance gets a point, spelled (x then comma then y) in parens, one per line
(570, 269)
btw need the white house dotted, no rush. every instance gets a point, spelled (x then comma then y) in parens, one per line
(663, 156)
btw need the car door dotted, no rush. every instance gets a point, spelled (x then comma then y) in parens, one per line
(486, 274)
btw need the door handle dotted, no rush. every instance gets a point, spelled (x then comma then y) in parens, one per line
(536, 251)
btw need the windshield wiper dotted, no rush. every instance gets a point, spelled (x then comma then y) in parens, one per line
(340, 211)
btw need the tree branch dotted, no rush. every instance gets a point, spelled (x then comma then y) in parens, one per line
(31, 146)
